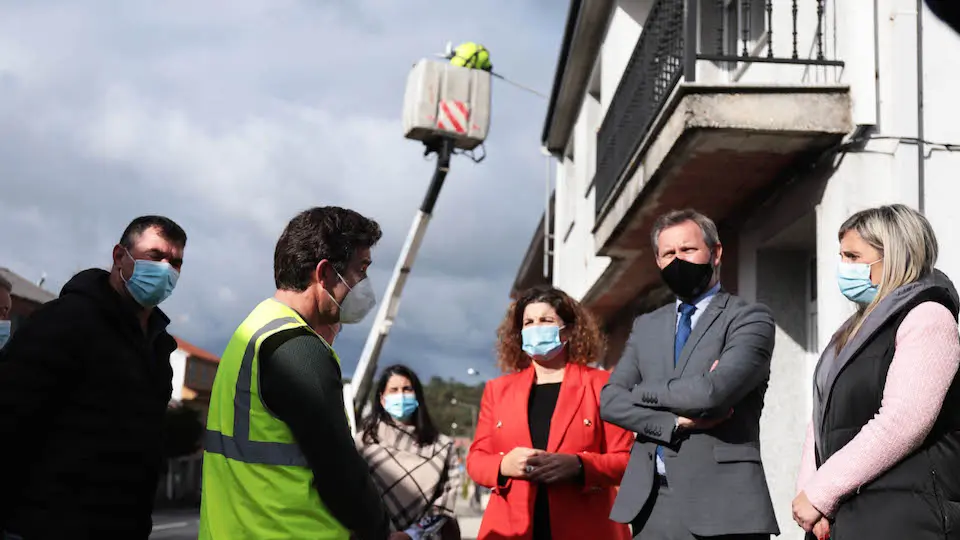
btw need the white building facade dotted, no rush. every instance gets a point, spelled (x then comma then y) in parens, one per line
(779, 119)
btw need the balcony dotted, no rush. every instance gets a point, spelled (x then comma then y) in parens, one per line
(721, 101)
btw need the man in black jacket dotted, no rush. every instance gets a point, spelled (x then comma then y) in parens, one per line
(6, 304)
(84, 386)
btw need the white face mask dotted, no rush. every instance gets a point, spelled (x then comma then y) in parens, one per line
(359, 301)
(4, 333)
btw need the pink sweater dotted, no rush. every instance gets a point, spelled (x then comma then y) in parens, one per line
(925, 362)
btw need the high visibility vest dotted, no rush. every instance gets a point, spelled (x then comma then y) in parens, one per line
(256, 482)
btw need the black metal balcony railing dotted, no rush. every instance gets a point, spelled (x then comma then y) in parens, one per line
(668, 49)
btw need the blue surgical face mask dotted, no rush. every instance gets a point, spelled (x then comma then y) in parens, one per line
(855, 283)
(152, 282)
(541, 340)
(4, 333)
(400, 406)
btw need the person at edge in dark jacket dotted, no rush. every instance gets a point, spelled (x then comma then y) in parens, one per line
(882, 454)
(84, 386)
(6, 304)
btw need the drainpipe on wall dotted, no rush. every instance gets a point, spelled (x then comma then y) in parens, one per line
(876, 59)
(547, 231)
(921, 147)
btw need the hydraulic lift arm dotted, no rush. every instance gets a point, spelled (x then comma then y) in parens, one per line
(356, 393)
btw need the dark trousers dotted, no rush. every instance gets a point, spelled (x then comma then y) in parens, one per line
(662, 518)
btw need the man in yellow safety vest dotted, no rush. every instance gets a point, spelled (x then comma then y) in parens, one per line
(279, 458)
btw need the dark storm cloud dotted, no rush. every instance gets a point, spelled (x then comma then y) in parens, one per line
(232, 116)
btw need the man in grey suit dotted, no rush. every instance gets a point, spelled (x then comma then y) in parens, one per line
(691, 383)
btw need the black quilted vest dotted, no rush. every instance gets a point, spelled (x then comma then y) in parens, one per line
(921, 493)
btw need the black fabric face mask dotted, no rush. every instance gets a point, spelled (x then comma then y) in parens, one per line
(687, 280)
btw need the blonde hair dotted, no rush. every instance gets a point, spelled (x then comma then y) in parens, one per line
(908, 246)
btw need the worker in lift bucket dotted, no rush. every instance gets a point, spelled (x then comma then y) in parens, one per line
(279, 459)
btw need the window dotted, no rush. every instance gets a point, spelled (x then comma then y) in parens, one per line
(744, 25)
(731, 29)
(191, 375)
(813, 279)
(210, 373)
(200, 373)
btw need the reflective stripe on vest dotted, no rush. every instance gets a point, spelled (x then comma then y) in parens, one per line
(240, 447)
(256, 482)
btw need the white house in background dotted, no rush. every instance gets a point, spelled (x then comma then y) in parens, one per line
(194, 370)
(178, 362)
(777, 118)
(26, 295)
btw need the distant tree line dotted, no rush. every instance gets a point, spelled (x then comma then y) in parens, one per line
(183, 427)
(440, 392)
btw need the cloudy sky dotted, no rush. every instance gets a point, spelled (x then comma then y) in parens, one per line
(232, 115)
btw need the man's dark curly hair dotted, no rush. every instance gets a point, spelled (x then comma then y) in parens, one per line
(324, 232)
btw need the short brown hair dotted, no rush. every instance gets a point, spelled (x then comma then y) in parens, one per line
(586, 344)
(169, 230)
(324, 232)
(5, 285)
(675, 217)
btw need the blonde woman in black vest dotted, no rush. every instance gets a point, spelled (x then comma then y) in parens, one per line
(882, 458)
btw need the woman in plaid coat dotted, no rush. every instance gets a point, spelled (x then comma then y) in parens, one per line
(412, 463)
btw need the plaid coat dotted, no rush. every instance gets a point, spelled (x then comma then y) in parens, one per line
(415, 481)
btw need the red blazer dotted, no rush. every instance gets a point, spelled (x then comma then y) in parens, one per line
(576, 512)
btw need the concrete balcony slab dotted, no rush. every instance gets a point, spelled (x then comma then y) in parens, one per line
(716, 149)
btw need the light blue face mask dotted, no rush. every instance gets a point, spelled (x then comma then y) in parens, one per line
(4, 333)
(854, 281)
(541, 340)
(400, 406)
(152, 282)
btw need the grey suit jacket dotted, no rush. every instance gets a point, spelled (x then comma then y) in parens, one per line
(717, 474)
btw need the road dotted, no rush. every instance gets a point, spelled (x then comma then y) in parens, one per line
(469, 518)
(176, 524)
(185, 524)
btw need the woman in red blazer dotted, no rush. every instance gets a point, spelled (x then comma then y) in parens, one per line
(540, 445)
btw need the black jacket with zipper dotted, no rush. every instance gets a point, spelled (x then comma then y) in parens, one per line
(83, 392)
(919, 497)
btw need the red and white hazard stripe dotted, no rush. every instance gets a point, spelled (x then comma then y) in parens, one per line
(453, 116)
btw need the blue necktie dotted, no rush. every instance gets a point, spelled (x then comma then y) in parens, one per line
(684, 327)
(683, 330)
